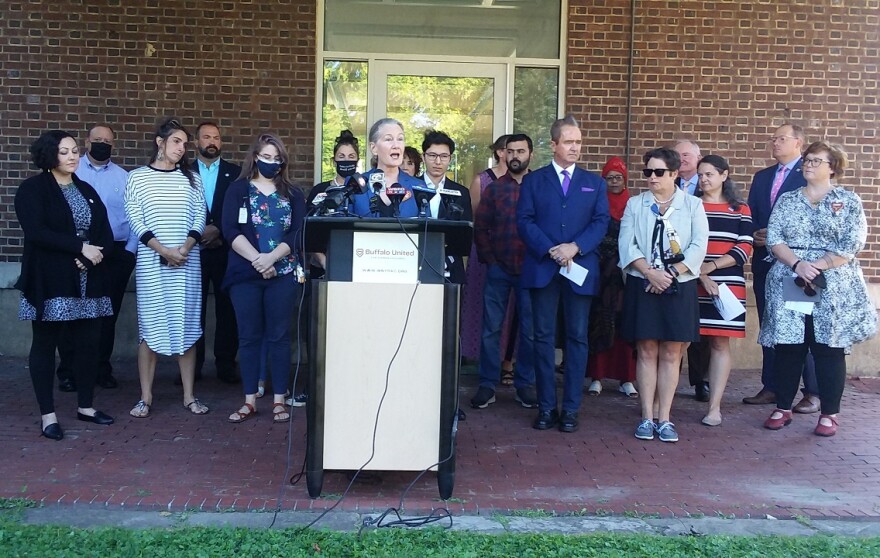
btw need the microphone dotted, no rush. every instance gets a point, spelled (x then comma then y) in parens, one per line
(357, 181)
(397, 194)
(423, 196)
(377, 182)
(454, 210)
(319, 199)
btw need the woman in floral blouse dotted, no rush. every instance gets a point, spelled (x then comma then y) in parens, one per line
(815, 233)
(262, 222)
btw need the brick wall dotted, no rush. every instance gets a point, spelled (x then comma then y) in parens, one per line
(248, 65)
(726, 74)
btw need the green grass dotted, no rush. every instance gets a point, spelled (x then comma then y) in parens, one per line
(18, 540)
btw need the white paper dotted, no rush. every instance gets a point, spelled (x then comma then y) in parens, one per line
(577, 274)
(801, 307)
(727, 304)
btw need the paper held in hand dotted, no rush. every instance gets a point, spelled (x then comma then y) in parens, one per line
(727, 304)
(577, 274)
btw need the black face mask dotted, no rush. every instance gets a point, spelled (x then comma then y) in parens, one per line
(346, 168)
(268, 170)
(100, 151)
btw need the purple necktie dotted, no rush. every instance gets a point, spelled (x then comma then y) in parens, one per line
(566, 182)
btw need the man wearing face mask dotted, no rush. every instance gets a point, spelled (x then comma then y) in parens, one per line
(216, 173)
(108, 179)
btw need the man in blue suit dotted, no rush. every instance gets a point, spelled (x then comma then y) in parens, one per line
(562, 216)
(787, 144)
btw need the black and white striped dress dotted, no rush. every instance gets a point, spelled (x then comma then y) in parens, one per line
(169, 299)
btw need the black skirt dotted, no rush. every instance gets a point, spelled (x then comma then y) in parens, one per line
(662, 317)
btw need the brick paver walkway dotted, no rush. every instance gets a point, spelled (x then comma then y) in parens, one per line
(174, 460)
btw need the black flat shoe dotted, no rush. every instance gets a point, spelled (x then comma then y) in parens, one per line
(53, 432)
(701, 392)
(99, 418)
(67, 385)
(546, 420)
(568, 422)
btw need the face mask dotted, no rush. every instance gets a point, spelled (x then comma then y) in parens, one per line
(346, 168)
(268, 170)
(100, 151)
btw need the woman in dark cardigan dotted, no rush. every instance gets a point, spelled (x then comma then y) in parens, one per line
(62, 282)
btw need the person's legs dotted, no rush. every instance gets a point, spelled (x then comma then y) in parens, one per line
(225, 329)
(544, 304)
(119, 267)
(41, 365)
(788, 364)
(811, 383)
(831, 371)
(719, 371)
(576, 309)
(524, 373)
(496, 291)
(279, 299)
(206, 283)
(667, 376)
(146, 371)
(187, 364)
(759, 283)
(247, 299)
(86, 334)
(647, 355)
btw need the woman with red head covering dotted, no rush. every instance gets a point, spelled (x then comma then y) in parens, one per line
(610, 356)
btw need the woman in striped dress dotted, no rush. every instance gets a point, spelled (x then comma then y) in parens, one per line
(166, 208)
(730, 246)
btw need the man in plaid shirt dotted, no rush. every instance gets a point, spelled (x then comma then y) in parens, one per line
(500, 248)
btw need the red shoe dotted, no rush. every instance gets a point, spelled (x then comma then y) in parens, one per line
(778, 423)
(826, 431)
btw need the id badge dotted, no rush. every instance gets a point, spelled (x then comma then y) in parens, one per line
(242, 215)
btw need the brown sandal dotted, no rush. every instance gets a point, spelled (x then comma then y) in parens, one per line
(238, 416)
(277, 414)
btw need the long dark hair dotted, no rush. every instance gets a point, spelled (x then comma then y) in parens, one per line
(164, 131)
(249, 166)
(729, 190)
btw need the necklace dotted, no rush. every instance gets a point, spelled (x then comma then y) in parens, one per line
(338, 183)
(663, 202)
(66, 185)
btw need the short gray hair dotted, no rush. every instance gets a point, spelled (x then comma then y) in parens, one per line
(695, 144)
(556, 128)
(374, 129)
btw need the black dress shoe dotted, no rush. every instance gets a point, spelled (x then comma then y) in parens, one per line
(568, 422)
(53, 432)
(546, 420)
(229, 378)
(701, 392)
(107, 382)
(67, 385)
(99, 418)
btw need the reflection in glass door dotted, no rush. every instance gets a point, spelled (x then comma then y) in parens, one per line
(467, 101)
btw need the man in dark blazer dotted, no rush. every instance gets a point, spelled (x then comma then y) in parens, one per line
(437, 149)
(787, 144)
(562, 216)
(216, 174)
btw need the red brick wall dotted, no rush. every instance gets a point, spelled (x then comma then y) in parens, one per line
(726, 74)
(248, 65)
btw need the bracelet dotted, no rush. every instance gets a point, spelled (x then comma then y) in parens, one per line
(715, 264)
(674, 271)
(794, 267)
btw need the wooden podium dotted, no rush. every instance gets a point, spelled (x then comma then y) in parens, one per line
(384, 298)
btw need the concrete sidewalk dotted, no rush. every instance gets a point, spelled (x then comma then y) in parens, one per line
(175, 461)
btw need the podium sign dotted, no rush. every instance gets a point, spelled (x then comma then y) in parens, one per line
(381, 257)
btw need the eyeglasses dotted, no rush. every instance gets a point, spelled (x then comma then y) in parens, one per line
(614, 178)
(780, 139)
(269, 158)
(437, 156)
(814, 162)
(656, 172)
(818, 280)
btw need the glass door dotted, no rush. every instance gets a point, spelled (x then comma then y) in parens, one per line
(467, 101)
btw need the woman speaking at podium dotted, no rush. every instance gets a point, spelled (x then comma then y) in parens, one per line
(387, 143)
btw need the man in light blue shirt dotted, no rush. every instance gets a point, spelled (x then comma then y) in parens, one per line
(109, 180)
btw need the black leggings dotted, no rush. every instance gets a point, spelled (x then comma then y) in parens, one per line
(830, 371)
(84, 336)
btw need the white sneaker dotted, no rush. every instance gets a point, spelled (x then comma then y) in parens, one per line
(628, 389)
(595, 388)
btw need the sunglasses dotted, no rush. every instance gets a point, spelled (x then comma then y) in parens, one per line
(656, 172)
(818, 280)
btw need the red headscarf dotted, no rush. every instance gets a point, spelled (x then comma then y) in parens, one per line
(616, 202)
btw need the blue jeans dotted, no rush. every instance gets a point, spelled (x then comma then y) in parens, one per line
(496, 294)
(264, 311)
(576, 312)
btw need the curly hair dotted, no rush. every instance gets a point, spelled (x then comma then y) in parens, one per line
(44, 150)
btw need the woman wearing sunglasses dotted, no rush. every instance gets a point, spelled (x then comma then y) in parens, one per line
(663, 239)
(815, 233)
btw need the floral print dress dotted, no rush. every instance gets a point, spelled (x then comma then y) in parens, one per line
(271, 216)
(844, 315)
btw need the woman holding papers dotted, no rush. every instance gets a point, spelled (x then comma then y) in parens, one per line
(722, 288)
(662, 244)
(816, 295)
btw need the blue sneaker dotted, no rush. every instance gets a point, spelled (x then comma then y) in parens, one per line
(666, 432)
(645, 430)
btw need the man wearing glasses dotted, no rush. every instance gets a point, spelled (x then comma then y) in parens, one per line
(786, 145)
(562, 216)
